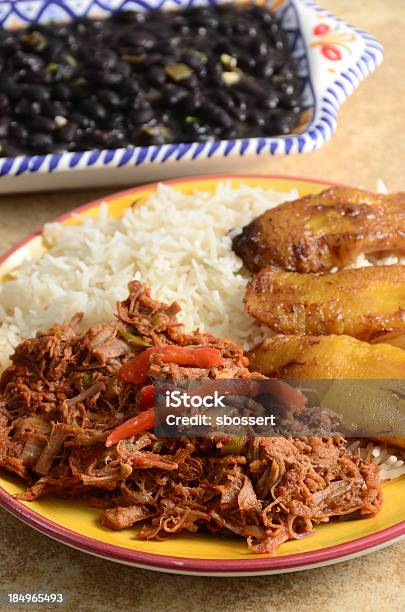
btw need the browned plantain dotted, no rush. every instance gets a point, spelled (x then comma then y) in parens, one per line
(322, 358)
(394, 338)
(320, 232)
(326, 357)
(363, 303)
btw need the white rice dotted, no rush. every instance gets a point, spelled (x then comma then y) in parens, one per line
(178, 245)
(390, 460)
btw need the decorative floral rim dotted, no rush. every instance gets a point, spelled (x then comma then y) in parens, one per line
(187, 565)
(332, 58)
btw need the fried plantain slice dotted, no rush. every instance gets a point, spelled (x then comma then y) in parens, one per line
(363, 303)
(320, 232)
(394, 338)
(326, 357)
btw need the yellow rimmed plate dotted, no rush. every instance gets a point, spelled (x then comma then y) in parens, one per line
(75, 524)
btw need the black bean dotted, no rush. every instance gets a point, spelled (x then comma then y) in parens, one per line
(157, 75)
(103, 59)
(277, 57)
(109, 79)
(138, 102)
(265, 68)
(230, 133)
(62, 91)
(52, 108)
(10, 88)
(4, 102)
(216, 114)
(42, 124)
(98, 24)
(171, 57)
(279, 41)
(193, 101)
(258, 117)
(179, 20)
(129, 87)
(271, 100)
(68, 132)
(117, 122)
(226, 29)
(81, 89)
(123, 68)
(191, 82)
(39, 93)
(4, 126)
(241, 27)
(253, 87)
(62, 30)
(109, 98)
(42, 76)
(41, 142)
(153, 96)
(54, 49)
(100, 138)
(239, 113)
(21, 75)
(18, 132)
(194, 59)
(116, 138)
(246, 62)
(26, 108)
(129, 16)
(144, 39)
(82, 120)
(240, 99)
(93, 109)
(262, 48)
(143, 115)
(9, 45)
(173, 94)
(290, 102)
(28, 60)
(264, 15)
(204, 19)
(287, 123)
(287, 88)
(287, 72)
(224, 98)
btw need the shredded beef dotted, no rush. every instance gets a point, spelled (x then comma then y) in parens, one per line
(61, 397)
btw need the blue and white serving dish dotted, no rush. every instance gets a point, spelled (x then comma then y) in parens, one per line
(332, 59)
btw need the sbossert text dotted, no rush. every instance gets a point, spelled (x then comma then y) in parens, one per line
(198, 420)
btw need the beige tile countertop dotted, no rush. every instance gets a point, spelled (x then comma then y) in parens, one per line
(370, 143)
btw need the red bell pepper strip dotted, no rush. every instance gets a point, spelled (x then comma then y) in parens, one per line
(147, 396)
(141, 422)
(136, 370)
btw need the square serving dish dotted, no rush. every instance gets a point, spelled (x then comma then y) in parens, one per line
(332, 59)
